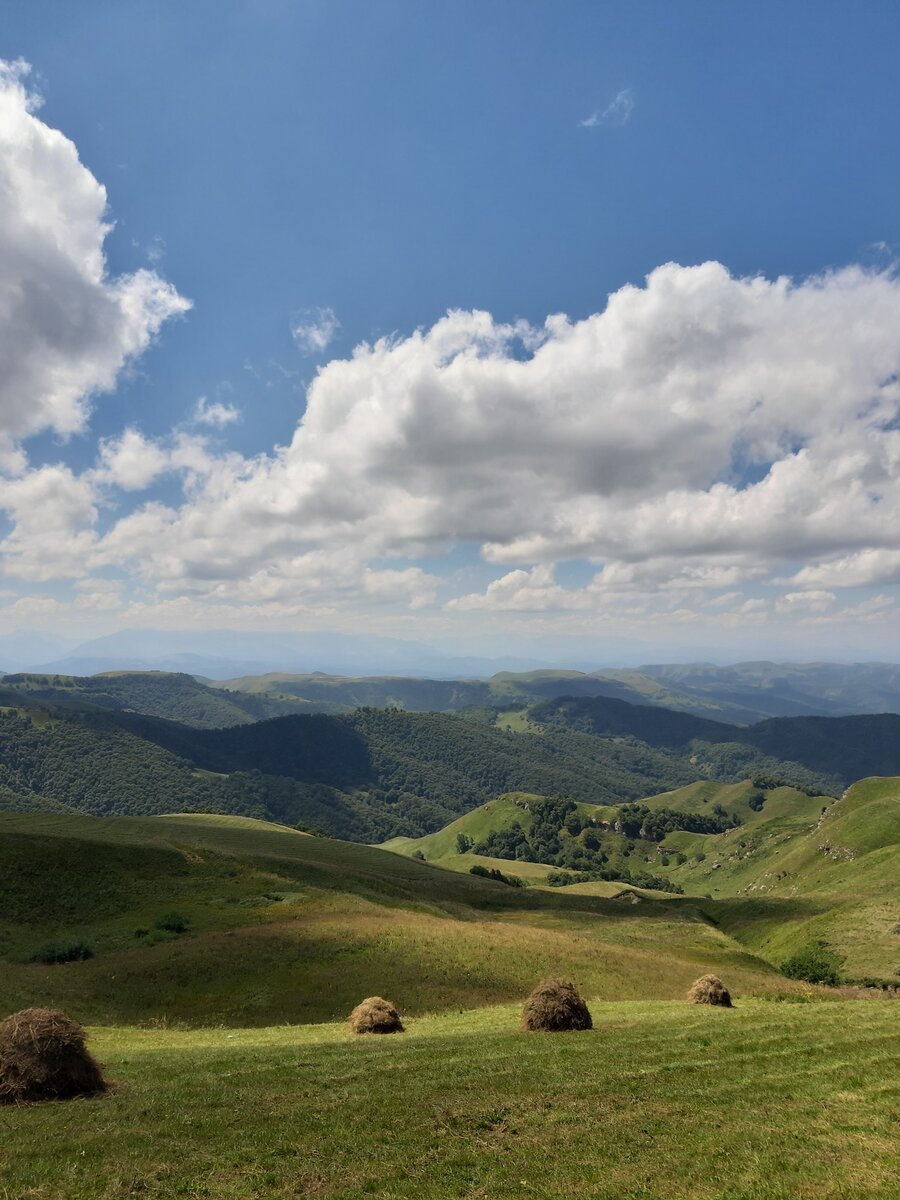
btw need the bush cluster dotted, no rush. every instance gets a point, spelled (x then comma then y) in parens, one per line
(815, 963)
(493, 873)
(62, 952)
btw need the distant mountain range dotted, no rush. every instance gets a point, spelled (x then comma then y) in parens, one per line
(743, 694)
(221, 654)
(345, 670)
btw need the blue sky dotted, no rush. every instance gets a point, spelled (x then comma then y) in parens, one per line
(314, 177)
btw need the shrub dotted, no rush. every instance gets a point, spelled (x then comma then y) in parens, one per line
(375, 1015)
(43, 1057)
(62, 952)
(463, 843)
(709, 989)
(419, 856)
(815, 963)
(493, 873)
(173, 922)
(555, 1007)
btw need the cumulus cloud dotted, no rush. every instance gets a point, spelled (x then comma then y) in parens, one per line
(66, 327)
(616, 113)
(131, 461)
(624, 439)
(315, 329)
(53, 513)
(524, 591)
(620, 438)
(215, 413)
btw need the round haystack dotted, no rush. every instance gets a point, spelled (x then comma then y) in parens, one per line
(43, 1057)
(375, 1015)
(709, 989)
(555, 1006)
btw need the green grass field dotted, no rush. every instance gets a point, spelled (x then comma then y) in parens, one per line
(770, 1101)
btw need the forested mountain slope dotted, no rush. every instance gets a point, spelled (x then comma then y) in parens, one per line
(171, 695)
(373, 774)
(838, 749)
(367, 776)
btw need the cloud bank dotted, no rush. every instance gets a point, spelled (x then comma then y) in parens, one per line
(705, 446)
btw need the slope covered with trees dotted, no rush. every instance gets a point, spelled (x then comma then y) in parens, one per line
(819, 753)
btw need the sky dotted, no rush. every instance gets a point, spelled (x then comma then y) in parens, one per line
(515, 326)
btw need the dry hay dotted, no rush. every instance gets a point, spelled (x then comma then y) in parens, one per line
(375, 1015)
(43, 1057)
(709, 989)
(555, 1006)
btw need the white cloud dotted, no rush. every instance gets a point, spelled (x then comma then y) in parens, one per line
(617, 439)
(410, 585)
(315, 329)
(523, 591)
(813, 601)
(215, 413)
(131, 461)
(620, 439)
(66, 327)
(53, 513)
(616, 113)
(863, 568)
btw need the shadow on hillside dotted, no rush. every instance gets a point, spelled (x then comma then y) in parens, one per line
(311, 748)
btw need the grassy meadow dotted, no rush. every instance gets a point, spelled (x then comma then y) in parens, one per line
(769, 1101)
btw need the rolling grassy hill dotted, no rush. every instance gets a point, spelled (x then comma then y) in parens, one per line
(283, 926)
(789, 877)
(233, 1078)
(792, 872)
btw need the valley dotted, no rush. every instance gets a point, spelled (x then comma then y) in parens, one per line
(212, 901)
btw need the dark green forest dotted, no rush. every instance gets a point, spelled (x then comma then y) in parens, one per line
(375, 773)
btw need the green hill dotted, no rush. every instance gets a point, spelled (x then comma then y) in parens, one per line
(374, 774)
(507, 689)
(285, 926)
(793, 871)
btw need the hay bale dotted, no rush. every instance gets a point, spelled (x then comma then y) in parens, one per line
(555, 1006)
(43, 1057)
(709, 989)
(375, 1015)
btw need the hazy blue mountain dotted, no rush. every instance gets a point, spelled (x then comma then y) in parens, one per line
(219, 654)
(769, 689)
